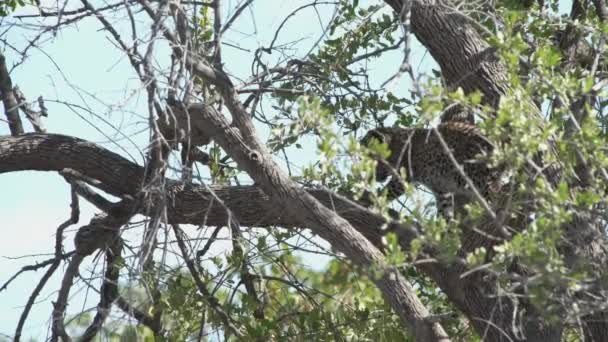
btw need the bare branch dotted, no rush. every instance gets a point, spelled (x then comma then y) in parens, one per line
(11, 105)
(202, 288)
(74, 216)
(236, 14)
(108, 292)
(32, 115)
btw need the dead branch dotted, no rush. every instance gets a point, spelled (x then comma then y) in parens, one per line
(11, 105)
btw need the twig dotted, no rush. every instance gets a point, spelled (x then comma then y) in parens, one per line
(236, 14)
(139, 315)
(211, 300)
(74, 216)
(210, 241)
(108, 291)
(246, 276)
(34, 267)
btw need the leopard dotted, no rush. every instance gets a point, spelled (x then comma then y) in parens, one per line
(437, 158)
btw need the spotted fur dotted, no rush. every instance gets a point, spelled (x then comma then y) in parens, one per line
(425, 161)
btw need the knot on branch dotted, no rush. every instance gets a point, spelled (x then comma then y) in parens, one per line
(101, 233)
(183, 124)
(254, 155)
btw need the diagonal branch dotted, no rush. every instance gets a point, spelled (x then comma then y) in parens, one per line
(194, 204)
(59, 256)
(249, 154)
(108, 292)
(202, 288)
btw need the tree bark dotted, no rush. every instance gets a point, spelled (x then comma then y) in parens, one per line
(197, 204)
(187, 203)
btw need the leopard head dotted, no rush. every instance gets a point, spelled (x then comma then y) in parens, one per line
(378, 136)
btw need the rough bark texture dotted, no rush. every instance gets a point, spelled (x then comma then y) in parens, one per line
(466, 60)
(197, 205)
(260, 166)
(188, 204)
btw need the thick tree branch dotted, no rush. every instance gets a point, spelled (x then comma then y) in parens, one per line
(187, 204)
(195, 204)
(243, 146)
(465, 58)
(240, 141)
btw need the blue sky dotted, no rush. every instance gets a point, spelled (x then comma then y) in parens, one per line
(81, 66)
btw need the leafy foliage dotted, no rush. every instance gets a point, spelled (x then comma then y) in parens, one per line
(8, 6)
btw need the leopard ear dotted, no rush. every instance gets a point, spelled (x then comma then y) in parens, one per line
(374, 134)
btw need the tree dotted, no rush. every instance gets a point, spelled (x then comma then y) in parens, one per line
(524, 260)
